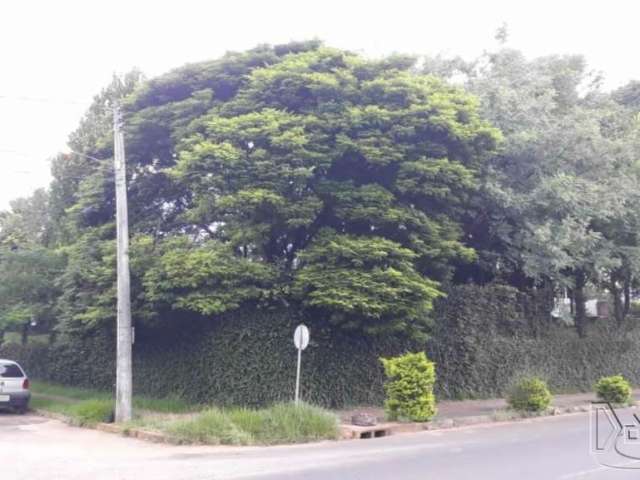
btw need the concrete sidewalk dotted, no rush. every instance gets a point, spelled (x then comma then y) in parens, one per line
(455, 409)
(452, 413)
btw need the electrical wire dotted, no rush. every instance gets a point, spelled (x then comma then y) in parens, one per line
(58, 101)
(34, 155)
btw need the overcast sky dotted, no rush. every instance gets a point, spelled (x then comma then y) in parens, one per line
(55, 53)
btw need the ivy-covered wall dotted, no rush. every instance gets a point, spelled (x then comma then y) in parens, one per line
(484, 338)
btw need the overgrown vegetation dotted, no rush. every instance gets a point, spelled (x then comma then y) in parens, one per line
(79, 412)
(279, 424)
(614, 389)
(188, 423)
(529, 395)
(88, 405)
(409, 387)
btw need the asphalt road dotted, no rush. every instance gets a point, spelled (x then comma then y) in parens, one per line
(33, 448)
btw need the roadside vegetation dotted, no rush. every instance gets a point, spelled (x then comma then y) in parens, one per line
(479, 211)
(530, 394)
(183, 422)
(279, 424)
(614, 389)
(409, 387)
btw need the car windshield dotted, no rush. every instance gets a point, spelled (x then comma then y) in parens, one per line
(10, 370)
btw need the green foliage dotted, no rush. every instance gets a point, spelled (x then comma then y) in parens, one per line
(28, 293)
(82, 413)
(166, 404)
(614, 389)
(206, 362)
(89, 412)
(43, 388)
(483, 338)
(409, 387)
(277, 424)
(369, 283)
(559, 197)
(529, 395)
(245, 173)
(286, 423)
(211, 427)
(88, 283)
(27, 224)
(206, 278)
(280, 423)
(325, 141)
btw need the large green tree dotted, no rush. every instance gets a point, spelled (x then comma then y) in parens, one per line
(345, 175)
(274, 175)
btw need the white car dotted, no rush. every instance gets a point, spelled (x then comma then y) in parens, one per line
(14, 386)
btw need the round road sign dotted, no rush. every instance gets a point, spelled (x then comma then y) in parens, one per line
(301, 337)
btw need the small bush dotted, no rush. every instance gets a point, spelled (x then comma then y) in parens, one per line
(90, 412)
(614, 389)
(529, 395)
(409, 387)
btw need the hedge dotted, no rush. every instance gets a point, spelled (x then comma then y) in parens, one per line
(484, 337)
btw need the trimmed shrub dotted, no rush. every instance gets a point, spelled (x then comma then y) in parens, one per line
(409, 387)
(614, 389)
(529, 395)
(483, 338)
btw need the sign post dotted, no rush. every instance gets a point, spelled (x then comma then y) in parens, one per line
(301, 341)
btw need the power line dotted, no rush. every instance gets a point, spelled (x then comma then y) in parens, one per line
(63, 101)
(36, 155)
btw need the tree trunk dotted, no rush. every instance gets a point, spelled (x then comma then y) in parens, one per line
(581, 313)
(618, 308)
(627, 295)
(1, 337)
(572, 300)
(25, 334)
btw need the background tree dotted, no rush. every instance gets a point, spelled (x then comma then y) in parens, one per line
(559, 196)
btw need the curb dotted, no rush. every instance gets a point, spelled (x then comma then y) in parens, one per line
(351, 432)
(146, 435)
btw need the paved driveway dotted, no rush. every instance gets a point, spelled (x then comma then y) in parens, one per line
(33, 448)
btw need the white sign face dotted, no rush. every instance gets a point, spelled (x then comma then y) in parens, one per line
(301, 337)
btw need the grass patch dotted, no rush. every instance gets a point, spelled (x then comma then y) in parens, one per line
(72, 393)
(184, 422)
(171, 404)
(82, 413)
(90, 412)
(16, 337)
(281, 423)
(45, 403)
(212, 427)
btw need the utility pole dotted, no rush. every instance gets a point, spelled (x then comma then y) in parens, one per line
(124, 381)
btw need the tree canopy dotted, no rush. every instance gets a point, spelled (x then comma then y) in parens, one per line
(352, 190)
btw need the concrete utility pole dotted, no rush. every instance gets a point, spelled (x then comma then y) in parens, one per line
(124, 381)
